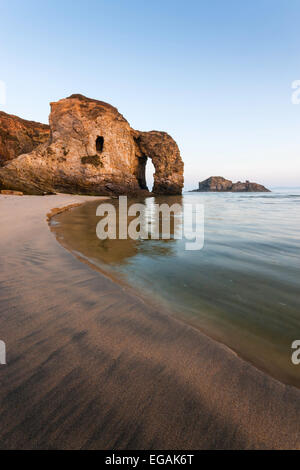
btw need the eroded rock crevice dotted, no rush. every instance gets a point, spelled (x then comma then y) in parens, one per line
(141, 174)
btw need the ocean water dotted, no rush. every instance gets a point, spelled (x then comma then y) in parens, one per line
(242, 288)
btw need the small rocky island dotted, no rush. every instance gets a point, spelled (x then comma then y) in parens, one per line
(219, 184)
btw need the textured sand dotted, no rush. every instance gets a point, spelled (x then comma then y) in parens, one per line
(91, 366)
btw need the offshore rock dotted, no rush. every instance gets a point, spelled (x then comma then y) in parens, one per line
(219, 184)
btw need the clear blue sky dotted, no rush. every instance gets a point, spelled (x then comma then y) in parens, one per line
(215, 74)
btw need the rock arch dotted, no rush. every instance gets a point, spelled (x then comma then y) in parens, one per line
(166, 159)
(93, 150)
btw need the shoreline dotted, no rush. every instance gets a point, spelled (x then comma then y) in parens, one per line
(114, 372)
(146, 299)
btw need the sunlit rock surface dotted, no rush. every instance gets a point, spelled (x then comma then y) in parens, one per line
(217, 183)
(19, 136)
(93, 150)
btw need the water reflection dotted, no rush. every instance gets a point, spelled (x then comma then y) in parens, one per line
(79, 233)
(242, 288)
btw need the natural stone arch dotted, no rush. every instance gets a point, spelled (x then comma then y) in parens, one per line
(166, 159)
(93, 150)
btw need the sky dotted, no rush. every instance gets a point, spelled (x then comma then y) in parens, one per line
(215, 74)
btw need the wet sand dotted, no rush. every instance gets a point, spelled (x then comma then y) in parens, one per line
(92, 366)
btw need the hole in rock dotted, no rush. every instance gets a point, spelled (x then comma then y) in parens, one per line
(99, 143)
(145, 173)
(150, 170)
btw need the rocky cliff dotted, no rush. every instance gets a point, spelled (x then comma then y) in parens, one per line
(217, 183)
(19, 136)
(93, 150)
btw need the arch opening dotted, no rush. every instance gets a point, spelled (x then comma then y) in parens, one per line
(99, 143)
(150, 170)
(145, 173)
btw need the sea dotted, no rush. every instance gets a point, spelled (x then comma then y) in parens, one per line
(241, 286)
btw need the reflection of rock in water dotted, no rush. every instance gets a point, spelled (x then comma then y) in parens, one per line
(77, 230)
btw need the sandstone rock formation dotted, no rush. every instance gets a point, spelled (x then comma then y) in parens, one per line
(217, 183)
(249, 187)
(165, 156)
(9, 192)
(93, 150)
(19, 136)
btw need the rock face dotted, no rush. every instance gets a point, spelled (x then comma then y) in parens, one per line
(165, 156)
(249, 187)
(19, 136)
(217, 183)
(8, 192)
(93, 150)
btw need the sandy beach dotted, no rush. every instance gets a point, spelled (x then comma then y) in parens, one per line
(91, 366)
